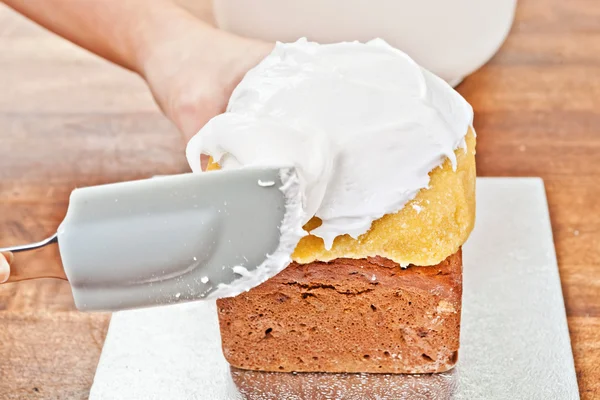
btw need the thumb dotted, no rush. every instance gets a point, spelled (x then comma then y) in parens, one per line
(5, 260)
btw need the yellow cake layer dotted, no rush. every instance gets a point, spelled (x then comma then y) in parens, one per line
(425, 237)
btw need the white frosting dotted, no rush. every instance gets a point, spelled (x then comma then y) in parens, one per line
(362, 124)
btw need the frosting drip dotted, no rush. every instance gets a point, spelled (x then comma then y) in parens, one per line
(362, 124)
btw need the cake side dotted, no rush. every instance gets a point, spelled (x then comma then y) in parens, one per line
(347, 315)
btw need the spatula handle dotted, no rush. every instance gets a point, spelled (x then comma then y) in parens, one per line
(21, 272)
(31, 246)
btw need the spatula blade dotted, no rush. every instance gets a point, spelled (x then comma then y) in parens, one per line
(174, 238)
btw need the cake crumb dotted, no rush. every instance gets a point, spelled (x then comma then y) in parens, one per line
(445, 307)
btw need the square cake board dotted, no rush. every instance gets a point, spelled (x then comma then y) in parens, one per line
(514, 335)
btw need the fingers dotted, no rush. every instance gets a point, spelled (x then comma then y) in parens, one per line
(5, 260)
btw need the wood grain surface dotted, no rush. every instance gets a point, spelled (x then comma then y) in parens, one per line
(69, 119)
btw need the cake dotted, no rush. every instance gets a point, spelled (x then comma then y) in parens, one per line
(375, 283)
(347, 315)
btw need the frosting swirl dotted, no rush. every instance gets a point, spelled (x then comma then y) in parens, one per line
(362, 123)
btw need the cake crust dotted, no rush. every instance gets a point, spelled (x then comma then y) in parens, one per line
(348, 315)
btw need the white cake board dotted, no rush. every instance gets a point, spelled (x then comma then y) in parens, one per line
(514, 336)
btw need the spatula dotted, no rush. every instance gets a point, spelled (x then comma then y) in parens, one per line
(175, 238)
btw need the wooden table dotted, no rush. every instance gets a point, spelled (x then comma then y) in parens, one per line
(69, 119)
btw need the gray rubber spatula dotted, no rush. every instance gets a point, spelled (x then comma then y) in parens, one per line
(168, 239)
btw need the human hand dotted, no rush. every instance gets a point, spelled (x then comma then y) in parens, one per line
(190, 66)
(193, 69)
(5, 260)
